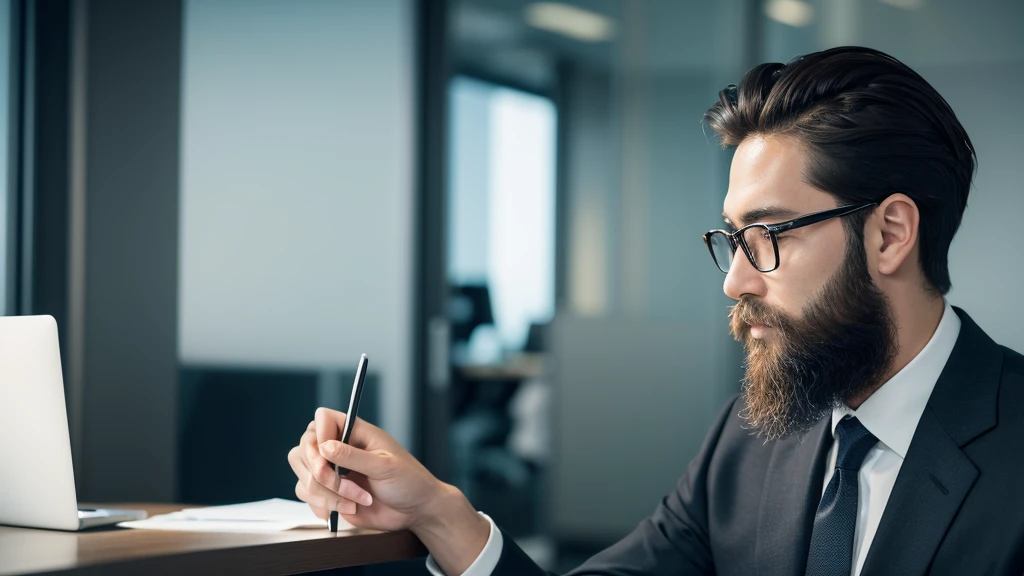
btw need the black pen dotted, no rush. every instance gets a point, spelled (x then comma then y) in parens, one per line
(350, 421)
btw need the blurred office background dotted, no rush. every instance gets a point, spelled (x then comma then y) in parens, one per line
(224, 203)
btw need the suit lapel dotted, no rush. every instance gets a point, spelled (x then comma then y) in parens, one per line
(792, 490)
(932, 483)
(936, 475)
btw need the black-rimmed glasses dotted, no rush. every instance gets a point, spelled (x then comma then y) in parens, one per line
(760, 242)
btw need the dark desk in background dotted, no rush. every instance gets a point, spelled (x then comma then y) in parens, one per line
(115, 551)
(270, 409)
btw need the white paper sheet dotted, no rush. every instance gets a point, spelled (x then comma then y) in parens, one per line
(272, 515)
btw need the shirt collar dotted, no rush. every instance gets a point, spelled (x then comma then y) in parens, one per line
(892, 412)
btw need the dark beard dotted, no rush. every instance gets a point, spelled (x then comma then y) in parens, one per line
(843, 346)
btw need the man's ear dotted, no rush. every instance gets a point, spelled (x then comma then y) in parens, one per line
(897, 220)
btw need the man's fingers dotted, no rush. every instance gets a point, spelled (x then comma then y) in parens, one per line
(295, 461)
(330, 424)
(311, 492)
(322, 474)
(375, 465)
(299, 468)
(300, 455)
(354, 492)
(302, 494)
(318, 484)
(320, 498)
(315, 464)
(347, 507)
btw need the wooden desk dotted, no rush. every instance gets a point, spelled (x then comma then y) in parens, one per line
(116, 551)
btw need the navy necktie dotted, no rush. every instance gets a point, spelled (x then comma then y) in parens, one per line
(832, 537)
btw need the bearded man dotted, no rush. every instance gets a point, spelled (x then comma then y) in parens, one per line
(878, 427)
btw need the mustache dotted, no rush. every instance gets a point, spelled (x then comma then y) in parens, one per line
(749, 310)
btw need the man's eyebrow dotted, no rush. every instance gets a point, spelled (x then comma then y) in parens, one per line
(761, 214)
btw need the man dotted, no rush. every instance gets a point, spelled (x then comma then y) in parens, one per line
(878, 428)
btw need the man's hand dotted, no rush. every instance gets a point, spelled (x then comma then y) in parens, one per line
(387, 489)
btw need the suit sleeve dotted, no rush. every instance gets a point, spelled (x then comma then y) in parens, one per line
(672, 541)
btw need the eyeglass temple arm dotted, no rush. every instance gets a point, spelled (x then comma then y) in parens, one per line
(818, 217)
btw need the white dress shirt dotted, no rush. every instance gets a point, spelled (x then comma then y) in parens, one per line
(485, 563)
(891, 414)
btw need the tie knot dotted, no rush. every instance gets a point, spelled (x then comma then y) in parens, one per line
(854, 443)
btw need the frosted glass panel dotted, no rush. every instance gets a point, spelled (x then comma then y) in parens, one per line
(502, 202)
(522, 213)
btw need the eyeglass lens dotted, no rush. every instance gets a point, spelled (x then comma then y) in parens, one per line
(758, 242)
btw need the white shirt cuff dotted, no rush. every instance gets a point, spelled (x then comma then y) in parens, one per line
(485, 563)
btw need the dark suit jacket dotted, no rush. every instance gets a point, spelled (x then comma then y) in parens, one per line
(747, 508)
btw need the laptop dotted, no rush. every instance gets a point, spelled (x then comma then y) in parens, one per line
(37, 481)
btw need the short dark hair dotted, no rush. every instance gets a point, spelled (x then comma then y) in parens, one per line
(872, 127)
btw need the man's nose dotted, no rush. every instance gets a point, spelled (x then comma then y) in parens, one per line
(743, 278)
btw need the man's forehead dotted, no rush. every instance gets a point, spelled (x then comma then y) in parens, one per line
(773, 206)
(762, 201)
(767, 213)
(766, 183)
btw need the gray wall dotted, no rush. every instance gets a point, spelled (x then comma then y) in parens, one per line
(297, 189)
(984, 258)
